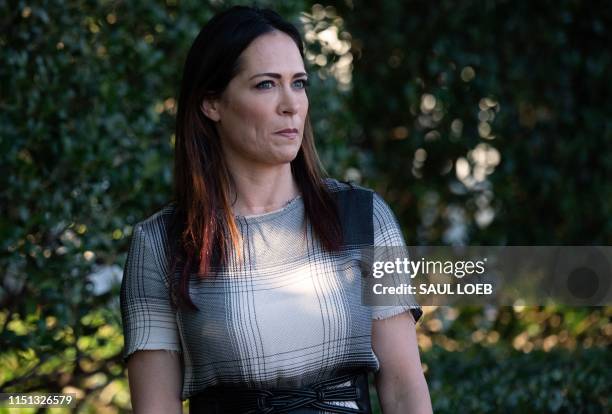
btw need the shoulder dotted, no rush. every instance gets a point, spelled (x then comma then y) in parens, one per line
(155, 225)
(354, 201)
(361, 203)
(334, 186)
(362, 207)
(149, 248)
(380, 207)
(387, 229)
(159, 217)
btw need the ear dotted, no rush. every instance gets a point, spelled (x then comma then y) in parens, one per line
(210, 108)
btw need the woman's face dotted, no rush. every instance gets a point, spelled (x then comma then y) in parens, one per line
(267, 96)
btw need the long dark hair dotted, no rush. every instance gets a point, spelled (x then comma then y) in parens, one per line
(203, 231)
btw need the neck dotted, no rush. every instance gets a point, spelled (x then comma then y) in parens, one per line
(261, 189)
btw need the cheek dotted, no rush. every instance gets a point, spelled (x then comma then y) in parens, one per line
(252, 114)
(249, 126)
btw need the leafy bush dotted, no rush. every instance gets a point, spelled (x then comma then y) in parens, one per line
(488, 122)
(86, 139)
(497, 379)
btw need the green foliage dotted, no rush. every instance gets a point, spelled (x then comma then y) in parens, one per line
(87, 103)
(484, 379)
(482, 110)
(525, 328)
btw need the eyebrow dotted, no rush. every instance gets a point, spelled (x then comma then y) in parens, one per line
(277, 75)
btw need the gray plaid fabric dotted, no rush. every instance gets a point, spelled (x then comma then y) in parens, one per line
(287, 314)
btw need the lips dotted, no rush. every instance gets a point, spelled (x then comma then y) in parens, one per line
(287, 131)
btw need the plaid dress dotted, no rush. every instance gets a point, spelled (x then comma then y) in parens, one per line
(286, 314)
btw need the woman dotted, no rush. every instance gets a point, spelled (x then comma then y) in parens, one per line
(242, 295)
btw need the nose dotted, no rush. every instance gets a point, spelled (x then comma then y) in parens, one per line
(289, 101)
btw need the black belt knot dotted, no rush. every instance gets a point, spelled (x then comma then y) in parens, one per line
(283, 400)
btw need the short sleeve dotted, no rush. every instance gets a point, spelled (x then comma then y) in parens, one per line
(387, 232)
(149, 320)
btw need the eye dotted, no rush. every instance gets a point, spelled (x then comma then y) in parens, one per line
(259, 85)
(305, 82)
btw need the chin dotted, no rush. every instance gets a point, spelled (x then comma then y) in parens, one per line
(286, 157)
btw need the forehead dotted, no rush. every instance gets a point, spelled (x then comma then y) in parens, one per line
(272, 52)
